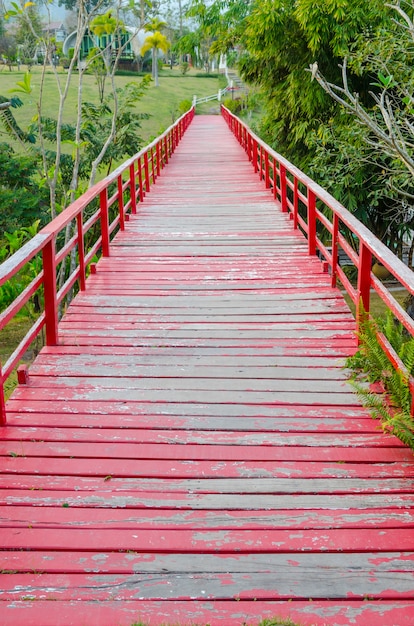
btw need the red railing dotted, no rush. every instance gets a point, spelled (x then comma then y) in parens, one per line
(330, 228)
(117, 195)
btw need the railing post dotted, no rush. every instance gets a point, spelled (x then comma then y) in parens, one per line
(141, 186)
(103, 200)
(250, 148)
(81, 252)
(172, 141)
(50, 293)
(311, 223)
(121, 204)
(261, 163)
(132, 189)
(364, 284)
(3, 416)
(255, 156)
(166, 150)
(146, 171)
(295, 203)
(152, 166)
(267, 173)
(158, 154)
(283, 190)
(335, 233)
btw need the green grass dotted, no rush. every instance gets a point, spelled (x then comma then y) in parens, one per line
(378, 308)
(10, 338)
(161, 102)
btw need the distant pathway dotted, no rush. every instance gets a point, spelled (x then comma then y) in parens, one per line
(192, 452)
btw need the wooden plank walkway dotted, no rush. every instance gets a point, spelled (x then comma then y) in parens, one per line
(192, 453)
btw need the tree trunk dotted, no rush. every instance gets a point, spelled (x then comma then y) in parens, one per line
(155, 66)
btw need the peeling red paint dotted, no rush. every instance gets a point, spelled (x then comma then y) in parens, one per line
(191, 451)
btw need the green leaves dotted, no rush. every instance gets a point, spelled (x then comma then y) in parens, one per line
(23, 86)
(370, 364)
(105, 24)
(386, 82)
(17, 10)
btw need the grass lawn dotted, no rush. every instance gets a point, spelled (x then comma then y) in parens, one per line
(378, 307)
(10, 338)
(161, 102)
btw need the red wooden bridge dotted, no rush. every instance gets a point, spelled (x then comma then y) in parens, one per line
(186, 449)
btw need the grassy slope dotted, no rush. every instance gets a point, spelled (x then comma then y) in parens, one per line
(161, 103)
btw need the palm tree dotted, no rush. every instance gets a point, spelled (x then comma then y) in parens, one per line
(105, 25)
(153, 26)
(154, 42)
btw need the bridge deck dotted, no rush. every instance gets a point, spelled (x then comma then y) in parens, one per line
(192, 452)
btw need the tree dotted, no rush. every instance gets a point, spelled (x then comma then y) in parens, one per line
(280, 40)
(220, 21)
(98, 122)
(90, 6)
(383, 119)
(153, 26)
(28, 34)
(56, 166)
(106, 28)
(21, 199)
(155, 42)
(8, 49)
(97, 66)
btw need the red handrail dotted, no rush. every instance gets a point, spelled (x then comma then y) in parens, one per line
(134, 178)
(309, 206)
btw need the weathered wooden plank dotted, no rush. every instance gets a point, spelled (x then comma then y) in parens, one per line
(183, 452)
(79, 423)
(98, 413)
(286, 355)
(227, 334)
(56, 357)
(119, 369)
(303, 565)
(201, 586)
(287, 350)
(322, 300)
(231, 613)
(45, 516)
(100, 394)
(200, 501)
(182, 438)
(318, 329)
(212, 541)
(242, 435)
(231, 314)
(189, 383)
(233, 485)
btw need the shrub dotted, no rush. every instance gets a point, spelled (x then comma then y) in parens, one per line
(184, 67)
(371, 365)
(184, 106)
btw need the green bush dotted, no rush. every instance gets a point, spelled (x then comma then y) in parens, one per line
(234, 106)
(184, 106)
(371, 365)
(184, 67)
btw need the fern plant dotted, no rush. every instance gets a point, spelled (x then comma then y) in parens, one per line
(371, 365)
